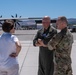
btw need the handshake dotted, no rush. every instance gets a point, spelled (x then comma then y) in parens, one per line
(40, 43)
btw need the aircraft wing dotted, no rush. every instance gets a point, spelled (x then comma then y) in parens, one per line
(37, 19)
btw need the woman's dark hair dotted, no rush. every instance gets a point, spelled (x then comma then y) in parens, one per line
(7, 26)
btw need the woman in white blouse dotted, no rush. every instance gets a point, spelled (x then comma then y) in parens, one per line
(9, 50)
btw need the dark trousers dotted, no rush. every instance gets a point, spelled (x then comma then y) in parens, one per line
(46, 64)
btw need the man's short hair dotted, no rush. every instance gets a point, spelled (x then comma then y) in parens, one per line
(63, 19)
(46, 18)
(7, 26)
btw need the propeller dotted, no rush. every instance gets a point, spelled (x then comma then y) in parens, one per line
(16, 15)
(1, 16)
(12, 16)
(16, 21)
(20, 16)
(0, 21)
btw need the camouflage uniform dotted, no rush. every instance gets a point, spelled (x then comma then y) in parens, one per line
(62, 42)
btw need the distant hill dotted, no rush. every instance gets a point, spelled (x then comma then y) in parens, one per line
(72, 20)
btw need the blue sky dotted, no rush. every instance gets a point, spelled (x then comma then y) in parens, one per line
(38, 8)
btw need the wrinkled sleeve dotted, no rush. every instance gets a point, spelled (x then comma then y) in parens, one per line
(68, 41)
(64, 43)
(15, 39)
(35, 38)
(52, 43)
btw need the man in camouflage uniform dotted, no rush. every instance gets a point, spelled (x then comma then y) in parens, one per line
(62, 44)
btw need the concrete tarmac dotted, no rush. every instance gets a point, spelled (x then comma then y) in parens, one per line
(25, 35)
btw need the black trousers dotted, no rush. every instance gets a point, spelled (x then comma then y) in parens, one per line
(46, 64)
